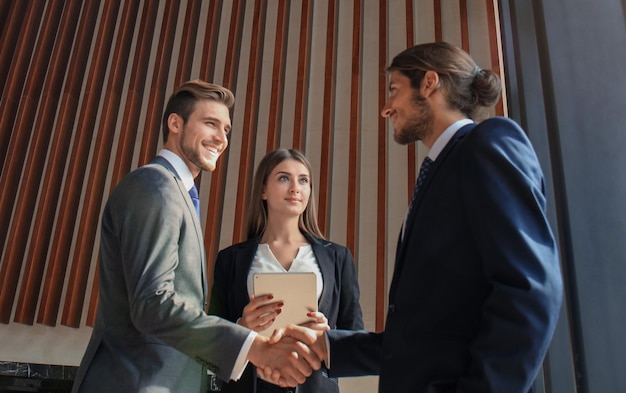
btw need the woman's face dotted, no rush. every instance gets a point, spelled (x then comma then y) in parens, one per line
(287, 189)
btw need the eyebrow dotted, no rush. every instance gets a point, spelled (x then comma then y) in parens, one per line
(217, 120)
(290, 174)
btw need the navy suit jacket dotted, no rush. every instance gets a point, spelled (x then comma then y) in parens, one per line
(339, 300)
(476, 289)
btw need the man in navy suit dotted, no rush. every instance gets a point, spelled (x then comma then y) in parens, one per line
(476, 289)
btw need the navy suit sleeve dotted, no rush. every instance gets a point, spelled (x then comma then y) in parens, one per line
(504, 201)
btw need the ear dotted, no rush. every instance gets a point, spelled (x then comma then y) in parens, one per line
(175, 123)
(430, 83)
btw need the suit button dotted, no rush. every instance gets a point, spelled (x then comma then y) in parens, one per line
(392, 308)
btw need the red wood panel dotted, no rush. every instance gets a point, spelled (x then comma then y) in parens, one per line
(188, 43)
(76, 172)
(277, 94)
(381, 174)
(412, 147)
(494, 49)
(354, 162)
(218, 177)
(15, 130)
(328, 116)
(92, 201)
(302, 76)
(13, 14)
(31, 183)
(158, 86)
(130, 121)
(464, 25)
(250, 119)
(207, 63)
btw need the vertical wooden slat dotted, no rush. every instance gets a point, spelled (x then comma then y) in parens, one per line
(278, 77)
(302, 76)
(9, 109)
(494, 49)
(218, 177)
(92, 202)
(57, 156)
(12, 25)
(328, 117)
(411, 147)
(354, 161)
(464, 25)
(136, 90)
(62, 242)
(207, 64)
(207, 68)
(158, 86)
(250, 119)
(34, 165)
(188, 42)
(17, 125)
(381, 191)
(438, 21)
(5, 10)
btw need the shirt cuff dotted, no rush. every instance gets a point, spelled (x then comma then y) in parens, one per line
(327, 351)
(242, 359)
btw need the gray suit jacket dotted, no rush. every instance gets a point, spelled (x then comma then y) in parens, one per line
(152, 333)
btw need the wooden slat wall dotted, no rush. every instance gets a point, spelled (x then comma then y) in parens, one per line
(83, 87)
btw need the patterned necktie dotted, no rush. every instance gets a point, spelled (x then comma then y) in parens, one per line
(426, 164)
(193, 193)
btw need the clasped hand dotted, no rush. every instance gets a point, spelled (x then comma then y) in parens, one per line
(290, 355)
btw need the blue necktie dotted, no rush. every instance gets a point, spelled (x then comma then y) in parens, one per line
(193, 193)
(426, 165)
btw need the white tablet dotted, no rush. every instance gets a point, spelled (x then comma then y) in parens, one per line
(296, 290)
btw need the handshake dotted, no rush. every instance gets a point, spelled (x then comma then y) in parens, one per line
(288, 357)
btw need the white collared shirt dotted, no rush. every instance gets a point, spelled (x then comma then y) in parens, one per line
(179, 165)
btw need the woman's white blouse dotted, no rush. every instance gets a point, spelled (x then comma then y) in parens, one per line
(265, 262)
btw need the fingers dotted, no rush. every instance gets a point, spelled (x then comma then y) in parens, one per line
(286, 363)
(260, 313)
(320, 321)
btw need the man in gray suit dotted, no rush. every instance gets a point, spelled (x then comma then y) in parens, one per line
(152, 333)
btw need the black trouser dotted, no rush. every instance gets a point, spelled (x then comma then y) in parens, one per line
(267, 387)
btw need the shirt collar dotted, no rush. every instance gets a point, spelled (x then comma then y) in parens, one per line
(445, 137)
(179, 165)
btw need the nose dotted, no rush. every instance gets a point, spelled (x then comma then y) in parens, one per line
(221, 135)
(386, 111)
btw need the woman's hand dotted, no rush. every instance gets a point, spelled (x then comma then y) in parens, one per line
(319, 322)
(260, 313)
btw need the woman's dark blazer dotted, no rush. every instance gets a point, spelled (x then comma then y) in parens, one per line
(339, 300)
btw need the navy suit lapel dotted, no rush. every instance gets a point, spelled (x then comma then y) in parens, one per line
(439, 162)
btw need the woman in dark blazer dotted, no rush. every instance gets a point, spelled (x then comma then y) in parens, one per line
(283, 236)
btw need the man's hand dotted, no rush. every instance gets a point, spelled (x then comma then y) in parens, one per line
(314, 339)
(286, 362)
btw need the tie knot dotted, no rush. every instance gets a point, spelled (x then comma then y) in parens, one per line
(193, 192)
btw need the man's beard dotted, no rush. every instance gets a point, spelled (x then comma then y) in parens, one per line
(419, 126)
(192, 155)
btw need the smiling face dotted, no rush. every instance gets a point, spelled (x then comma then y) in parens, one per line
(287, 189)
(203, 138)
(410, 113)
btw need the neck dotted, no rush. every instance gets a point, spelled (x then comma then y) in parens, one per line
(283, 231)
